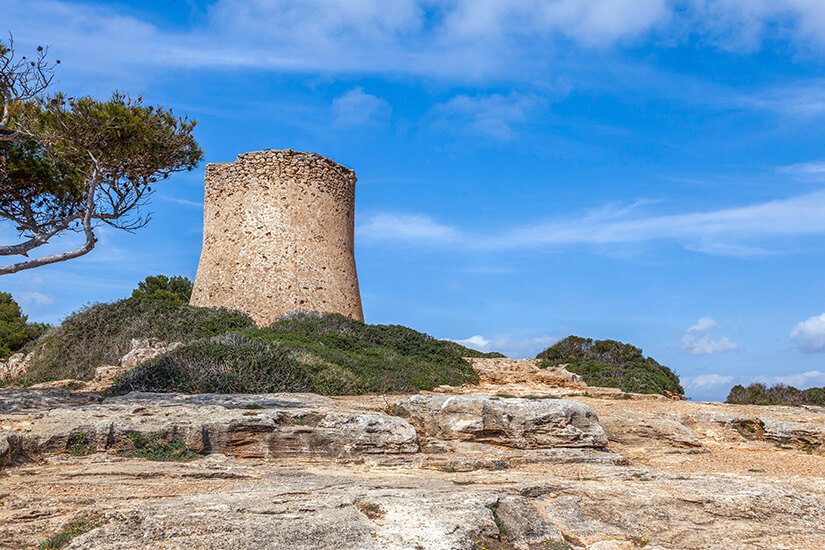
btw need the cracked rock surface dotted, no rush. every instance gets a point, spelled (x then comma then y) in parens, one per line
(464, 470)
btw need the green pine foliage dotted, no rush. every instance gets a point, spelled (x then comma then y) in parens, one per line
(175, 289)
(15, 330)
(611, 364)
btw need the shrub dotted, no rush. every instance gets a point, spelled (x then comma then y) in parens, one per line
(308, 352)
(612, 364)
(15, 330)
(160, 287)
(101, 334)
(779, 394)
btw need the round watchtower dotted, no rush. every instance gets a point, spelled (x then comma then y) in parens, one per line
(278, 236)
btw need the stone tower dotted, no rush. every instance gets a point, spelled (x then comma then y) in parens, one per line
(278, 230)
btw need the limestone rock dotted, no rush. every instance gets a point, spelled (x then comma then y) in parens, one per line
(520, 371)
(251, 426)
(524, 524)
(637, 428)
(15, 366)
(518, 423)
(143, 350)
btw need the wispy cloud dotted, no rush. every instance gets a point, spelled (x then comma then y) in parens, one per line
(444, 38)
(185, 202)
(812, 168)
(698, 339)
(37, 298)
(406, 228)
(706, 381)
(491, 115)
(746, 230)
(809, 335)
(357, 108)
(515, 348)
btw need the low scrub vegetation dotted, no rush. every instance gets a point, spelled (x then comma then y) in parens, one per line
(611, 364)
(101, 334)
(307, 352)
(779, 394)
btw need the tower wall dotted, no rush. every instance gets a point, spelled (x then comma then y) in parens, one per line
(278, 235)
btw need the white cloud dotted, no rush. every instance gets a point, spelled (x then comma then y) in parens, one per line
(698, 340)
(356, 108)
(490, 115)
(703, 324)
(809, 335)
(812, 168)
(37, 298)
(514, 348)
(443, 38)
(185, 202)
(705, 381)
(412, 229)
(800, 380)
(739, 231)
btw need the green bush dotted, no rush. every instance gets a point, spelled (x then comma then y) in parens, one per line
(329, 354)
(611, 364)
(15, 330)
(101, 334)
(160, 287)
(779, 394)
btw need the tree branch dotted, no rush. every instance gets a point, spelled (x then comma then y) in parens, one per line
(69, 254)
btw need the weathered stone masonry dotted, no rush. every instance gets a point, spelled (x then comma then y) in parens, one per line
(278, 235)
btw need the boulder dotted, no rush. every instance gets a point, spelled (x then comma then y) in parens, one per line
(145, 349)
(511, 422)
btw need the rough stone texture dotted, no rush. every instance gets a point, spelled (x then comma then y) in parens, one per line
(518, 423)
(14, 367)
(143, 350)
(635, 428)
(251, 426)
(278, 236)
(525, 525)
(310, 472)
(501, 371)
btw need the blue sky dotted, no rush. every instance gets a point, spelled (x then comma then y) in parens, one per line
(651, 171)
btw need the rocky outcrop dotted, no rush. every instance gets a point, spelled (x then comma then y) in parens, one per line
(500, 371)
(519, 423)
(449, 472)
(14, 367)
(144, 350)
(638, 428)
(254, 426)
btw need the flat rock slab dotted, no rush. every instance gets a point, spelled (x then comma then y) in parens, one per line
(511, 422)
(303, 511)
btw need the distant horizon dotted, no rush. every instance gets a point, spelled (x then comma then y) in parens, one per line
(626, 170)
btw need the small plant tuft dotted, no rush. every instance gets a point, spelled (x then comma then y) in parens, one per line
(155, 448)
(78, 445)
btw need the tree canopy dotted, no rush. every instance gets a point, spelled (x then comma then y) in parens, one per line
(71, 164)
(15, 330)
(175, 289)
